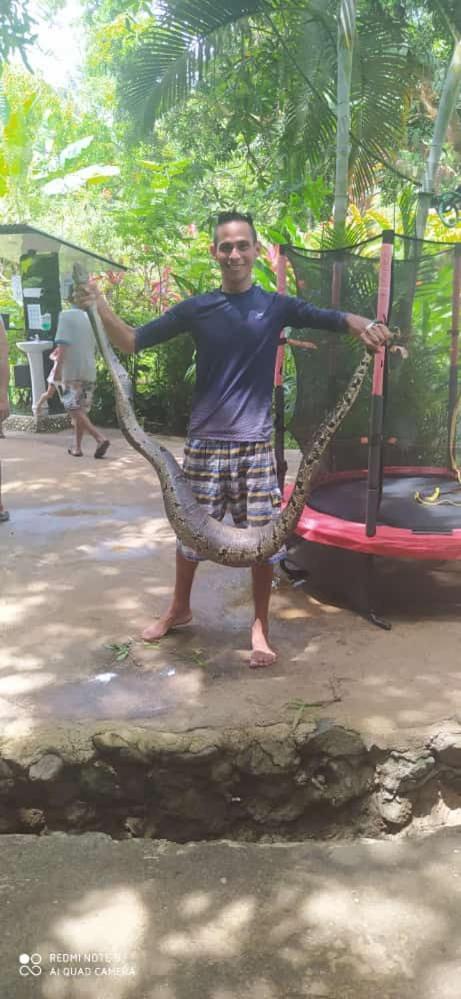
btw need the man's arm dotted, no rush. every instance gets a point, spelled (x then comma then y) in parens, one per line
(4, 374)
(175, 320)
(119, 333)
(299, 314)
(60, 354)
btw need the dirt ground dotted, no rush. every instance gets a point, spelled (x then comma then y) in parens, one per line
(88, 559)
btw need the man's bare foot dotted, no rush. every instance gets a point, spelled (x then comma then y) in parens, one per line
(262, 655)
(165, 624)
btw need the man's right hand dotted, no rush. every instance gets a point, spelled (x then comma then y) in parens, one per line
(86, 295)
(122, 336)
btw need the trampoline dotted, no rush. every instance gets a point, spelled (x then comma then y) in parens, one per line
(389, 484)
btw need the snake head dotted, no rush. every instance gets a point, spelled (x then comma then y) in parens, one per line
(79, 274)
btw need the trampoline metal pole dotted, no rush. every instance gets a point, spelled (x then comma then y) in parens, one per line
(279, 391)
(454, 352)
(336, 282)
(375, 436)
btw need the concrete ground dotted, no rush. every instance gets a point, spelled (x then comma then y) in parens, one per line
(87, 560)
(97, 919)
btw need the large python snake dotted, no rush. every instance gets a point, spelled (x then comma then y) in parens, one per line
(213, 539)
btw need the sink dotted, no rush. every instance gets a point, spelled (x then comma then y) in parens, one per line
(34, 346)
(35, 350)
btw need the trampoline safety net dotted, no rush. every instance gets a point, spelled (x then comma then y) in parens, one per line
(418, 395)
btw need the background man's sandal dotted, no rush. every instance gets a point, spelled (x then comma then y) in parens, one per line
(101, 449)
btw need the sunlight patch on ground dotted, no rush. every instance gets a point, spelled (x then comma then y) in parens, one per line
(9, 660)
(377, 723)
(328, 608)
(23, 488)
(20, 728)
(17, 609)
(259, 989)
(427, 713)
(292, 613)
(15, 684)
(309, 650)
(40, 586)
(157, 591)
(127, 603)
(195, 904)
(104, 920)
(443, 981)
(188, 686)
(222, 937)
(388, 921)
(107, 922)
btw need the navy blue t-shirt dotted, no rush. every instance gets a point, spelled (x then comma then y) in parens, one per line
(236, 338)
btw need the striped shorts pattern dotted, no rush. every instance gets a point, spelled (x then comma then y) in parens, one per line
(238, 477)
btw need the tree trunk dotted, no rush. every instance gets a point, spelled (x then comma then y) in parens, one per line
(447, 107)
(346, 38)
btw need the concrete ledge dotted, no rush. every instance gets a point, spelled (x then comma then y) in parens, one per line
(50, 424)
(277, 780)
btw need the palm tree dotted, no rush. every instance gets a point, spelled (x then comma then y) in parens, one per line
(343, 69)
(446, 109)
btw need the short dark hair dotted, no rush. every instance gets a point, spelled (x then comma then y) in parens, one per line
(224, 217)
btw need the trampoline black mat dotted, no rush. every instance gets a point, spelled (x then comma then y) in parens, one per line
(346, 499)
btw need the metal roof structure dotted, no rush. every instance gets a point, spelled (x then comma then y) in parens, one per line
(19, 238)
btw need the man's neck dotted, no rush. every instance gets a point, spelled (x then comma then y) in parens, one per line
(230, 288)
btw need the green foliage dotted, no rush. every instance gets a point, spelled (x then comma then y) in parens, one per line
(254, 129)
(293, 49)
(16, 29)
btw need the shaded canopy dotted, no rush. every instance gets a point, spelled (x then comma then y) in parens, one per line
(19, 238)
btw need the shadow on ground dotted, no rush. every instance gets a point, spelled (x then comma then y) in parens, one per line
(221, 921)
(88, 559)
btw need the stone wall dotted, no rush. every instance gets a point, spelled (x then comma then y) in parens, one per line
(266, 781)
(50, 424)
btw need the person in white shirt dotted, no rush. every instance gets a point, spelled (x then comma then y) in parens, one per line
(76, 372)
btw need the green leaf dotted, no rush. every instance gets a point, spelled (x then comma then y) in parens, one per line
(74, 149)
(73, 181)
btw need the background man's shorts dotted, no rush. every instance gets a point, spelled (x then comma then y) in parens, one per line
(234, 476)
(77, 395)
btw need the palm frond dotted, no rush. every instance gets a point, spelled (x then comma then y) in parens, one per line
(179, 50)
(309, 93)
(381, 86)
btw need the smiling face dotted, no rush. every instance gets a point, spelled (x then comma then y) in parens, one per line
(235, 250)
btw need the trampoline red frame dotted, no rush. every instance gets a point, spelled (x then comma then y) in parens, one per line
(388, 542)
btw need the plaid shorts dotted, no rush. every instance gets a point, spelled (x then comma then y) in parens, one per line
(77, 395)
(234, 476)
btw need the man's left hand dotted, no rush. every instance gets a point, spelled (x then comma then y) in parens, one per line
(373, 335)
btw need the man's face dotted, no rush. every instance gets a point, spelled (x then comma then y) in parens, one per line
(235, 251)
